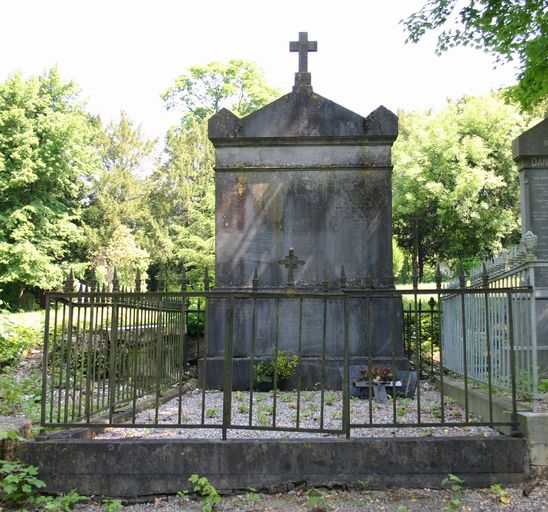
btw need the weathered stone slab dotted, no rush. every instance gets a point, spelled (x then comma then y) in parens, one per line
(304, 173)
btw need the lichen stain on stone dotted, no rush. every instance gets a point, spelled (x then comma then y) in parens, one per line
(241, 188)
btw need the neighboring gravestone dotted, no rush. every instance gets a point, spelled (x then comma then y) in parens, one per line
(303, 189)
(530, 152)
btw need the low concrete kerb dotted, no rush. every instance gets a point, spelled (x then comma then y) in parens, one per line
(131, 467)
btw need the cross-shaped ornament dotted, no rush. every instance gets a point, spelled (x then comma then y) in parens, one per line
(303, 46)
(290, 262)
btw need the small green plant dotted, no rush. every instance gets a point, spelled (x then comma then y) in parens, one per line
(330, 399)
(252, 496)
(212, 412)
(112, 505)
(401, 508)
(453, 505)
(19, 482)
(453, 482)
(243, 408)
(239, 395)
(501, 493)
(435, 411)
(262, 418)
(286, 364)
(316, 498)
(401, 408)
(208, 493)
(59, 503)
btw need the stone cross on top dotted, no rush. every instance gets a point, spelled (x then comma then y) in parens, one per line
(290, 262)
(303, 46)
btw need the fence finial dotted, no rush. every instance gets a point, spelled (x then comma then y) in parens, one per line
(207, 279)
(437, 275)
(255, 279)
(115, 281)
(69, 283)
(342, 279)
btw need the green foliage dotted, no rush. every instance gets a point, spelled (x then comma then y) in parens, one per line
(15, 342)
(60, 503)
(112, 505)
(452, 169)
(118, 216)
(19, 482)
(212, 412)
(238, 85)
(316, 498)
(285, 367)
(123, 253)
(46, 154)
(252, 496)
(20, 398)
(208, 493)
(501, 493)
(453, 482)
(507, 29)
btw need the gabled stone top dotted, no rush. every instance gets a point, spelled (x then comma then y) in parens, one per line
(303, 114)
(533, 142)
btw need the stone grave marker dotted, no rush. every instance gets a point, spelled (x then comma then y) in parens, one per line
(530, 152)
(303, 197)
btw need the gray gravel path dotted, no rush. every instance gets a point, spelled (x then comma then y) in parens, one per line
(395, 500)
(286, 415)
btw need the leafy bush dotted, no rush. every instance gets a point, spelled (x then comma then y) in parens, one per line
(15, 342)
(286, 366)
(19, 482)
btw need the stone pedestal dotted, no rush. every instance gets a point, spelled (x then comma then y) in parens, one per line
(304, 172)
(530, 152)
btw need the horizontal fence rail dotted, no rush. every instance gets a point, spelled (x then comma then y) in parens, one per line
(113, 358)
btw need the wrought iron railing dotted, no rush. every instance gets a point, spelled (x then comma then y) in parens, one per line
(110, 355)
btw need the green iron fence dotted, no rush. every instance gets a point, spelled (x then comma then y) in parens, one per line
(108, 352)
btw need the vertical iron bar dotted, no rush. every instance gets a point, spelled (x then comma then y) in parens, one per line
(515, 425)
(489, 358)
(90, 352)
(252, 362)
(205, 354)
(464, 353)
(299, 364)
(158, 343)
(276, 350)
(392, 341)
(113, 356)
(53, 357)
(45, 363)
(227, 385)
(346, 372)
(324, 345)
(418, 360)
(370, 356)
(69, 361)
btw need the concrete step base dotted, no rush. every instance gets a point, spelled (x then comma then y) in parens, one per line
(150, 467)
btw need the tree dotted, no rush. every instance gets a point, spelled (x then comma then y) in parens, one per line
(123, 253)
(182, 198)
(46, 154)
(455, 185)
(237, 85)
(118, 192)
(508, 29)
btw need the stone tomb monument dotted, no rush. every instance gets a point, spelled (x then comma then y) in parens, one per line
(303, 189)
(530, 152)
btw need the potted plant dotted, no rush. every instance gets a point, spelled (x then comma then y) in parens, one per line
(285, 368)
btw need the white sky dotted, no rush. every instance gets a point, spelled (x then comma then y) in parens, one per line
(124, 53)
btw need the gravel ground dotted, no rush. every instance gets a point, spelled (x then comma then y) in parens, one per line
(310, 416)
(531, 497)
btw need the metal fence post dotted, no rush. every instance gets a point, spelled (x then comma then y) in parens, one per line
(227, 385)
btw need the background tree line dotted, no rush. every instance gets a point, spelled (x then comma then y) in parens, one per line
(77, 194)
